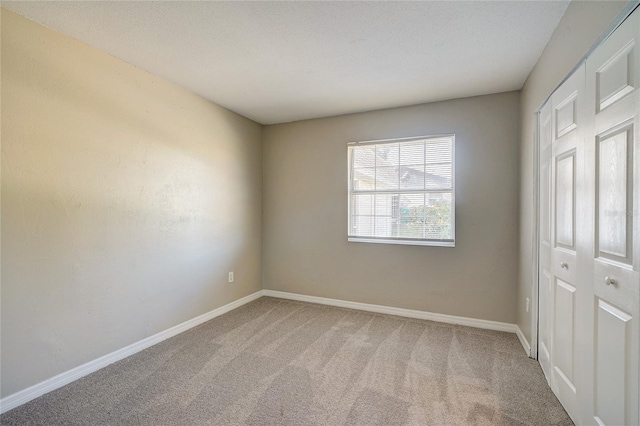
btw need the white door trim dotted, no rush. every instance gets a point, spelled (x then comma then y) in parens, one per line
(534, 307)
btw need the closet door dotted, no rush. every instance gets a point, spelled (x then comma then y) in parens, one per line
(567, 119)
(544, 256)
(612, 182)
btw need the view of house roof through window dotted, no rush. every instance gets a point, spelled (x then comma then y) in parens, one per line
(402, 191)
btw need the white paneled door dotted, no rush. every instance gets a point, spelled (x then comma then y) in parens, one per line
(567, 120)
(612, 184)
(589, 259)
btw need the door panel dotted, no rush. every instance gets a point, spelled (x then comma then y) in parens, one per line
(615, 78)
(614, 195)
(563, 344)
(565, 199)
(613, 343)
(566, 116)
(611, 252)
(544, 344)
(545, 205)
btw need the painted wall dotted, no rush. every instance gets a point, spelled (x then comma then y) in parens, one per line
(305, 212)
(582, 24)
(125, 202)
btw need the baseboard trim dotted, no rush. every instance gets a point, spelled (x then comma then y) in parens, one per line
(56, 382)
(409, 313)
(39, 389)
(523, 341)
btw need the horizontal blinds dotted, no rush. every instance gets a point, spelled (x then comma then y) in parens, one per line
(402, 189)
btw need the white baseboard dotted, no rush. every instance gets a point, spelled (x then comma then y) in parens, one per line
(39, 389)
(523, 341)
(409, 313)
(26, 395)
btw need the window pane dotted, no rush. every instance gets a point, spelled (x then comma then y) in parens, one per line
(384, 227)
(438, 176)
(364, 156)
(412, 177)
(362, 226)
(411, 205)
(411, 227)
(386, 178)
(412, 153)
(387, 154)
(438, 219)
(364, 179)
(362, 204)
(384, 204)
(439, 151)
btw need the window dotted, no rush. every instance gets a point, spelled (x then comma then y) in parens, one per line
(401, 191)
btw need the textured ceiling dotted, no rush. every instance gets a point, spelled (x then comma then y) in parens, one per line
(283, 61)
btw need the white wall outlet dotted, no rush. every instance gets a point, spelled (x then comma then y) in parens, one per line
(231, 278)
(527, 304)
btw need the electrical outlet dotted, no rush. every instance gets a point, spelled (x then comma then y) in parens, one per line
(230, 277)
(527, 304)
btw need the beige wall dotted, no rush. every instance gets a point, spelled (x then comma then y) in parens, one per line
(305, 212)
(582, 24)
(125, 202)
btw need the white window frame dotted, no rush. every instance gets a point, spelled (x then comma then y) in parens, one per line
(400, 240)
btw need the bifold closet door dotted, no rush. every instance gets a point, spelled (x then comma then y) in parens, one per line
(589, 246)
(612, 233)
(567, 120)
(559, 150)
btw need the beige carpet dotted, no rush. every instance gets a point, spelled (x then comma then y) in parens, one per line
(276, 362)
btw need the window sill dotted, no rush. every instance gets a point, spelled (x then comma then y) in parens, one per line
(431, 243)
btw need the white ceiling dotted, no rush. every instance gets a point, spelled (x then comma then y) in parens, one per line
(284, 61)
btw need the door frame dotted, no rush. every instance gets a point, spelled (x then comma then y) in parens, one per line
(535, 288)
(535, 234)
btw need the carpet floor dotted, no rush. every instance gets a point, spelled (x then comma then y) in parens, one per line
(278, 362)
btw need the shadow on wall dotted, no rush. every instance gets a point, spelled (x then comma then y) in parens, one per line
(126, 200)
